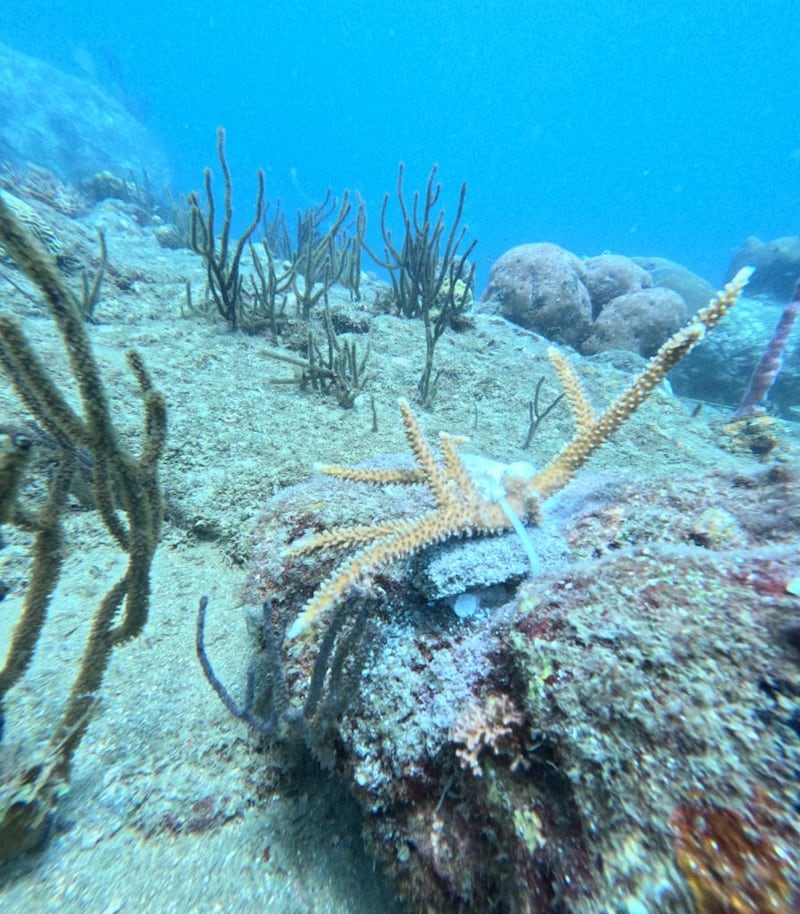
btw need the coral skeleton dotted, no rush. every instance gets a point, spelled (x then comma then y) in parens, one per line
(467, 505)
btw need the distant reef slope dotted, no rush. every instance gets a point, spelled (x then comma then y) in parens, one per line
(70, 126)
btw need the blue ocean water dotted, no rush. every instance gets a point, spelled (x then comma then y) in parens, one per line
(666, 128)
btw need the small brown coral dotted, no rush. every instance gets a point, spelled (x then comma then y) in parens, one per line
(736, 861)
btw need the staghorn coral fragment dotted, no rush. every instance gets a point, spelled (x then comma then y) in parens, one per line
(509, 496)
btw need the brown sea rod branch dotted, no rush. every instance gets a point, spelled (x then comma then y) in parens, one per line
(316, 257)
(429, 281)
(128, 498)
(222, 271)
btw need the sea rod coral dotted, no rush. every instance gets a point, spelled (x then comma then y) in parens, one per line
(127, 495)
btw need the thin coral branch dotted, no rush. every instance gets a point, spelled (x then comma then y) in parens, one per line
(429, 281)
(243, 712)
(311, 713)
(222, 271)
(537, 415)
(316, 257)
(768, 368)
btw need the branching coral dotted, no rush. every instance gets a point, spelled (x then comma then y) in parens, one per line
(222, 264)
(127, 495)
(510, 495)
(429, 281)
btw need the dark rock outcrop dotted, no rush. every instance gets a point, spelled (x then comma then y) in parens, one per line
(542, 287)
(637, 321)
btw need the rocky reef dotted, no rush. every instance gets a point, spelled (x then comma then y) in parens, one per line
(619, 733)
(612, 303)
(593, 304)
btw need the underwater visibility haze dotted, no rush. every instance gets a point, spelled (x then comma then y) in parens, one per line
(638, 128)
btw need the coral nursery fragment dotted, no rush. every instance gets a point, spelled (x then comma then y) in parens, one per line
(465, 508)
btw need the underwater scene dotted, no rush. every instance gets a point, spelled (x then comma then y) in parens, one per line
(399, 458)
